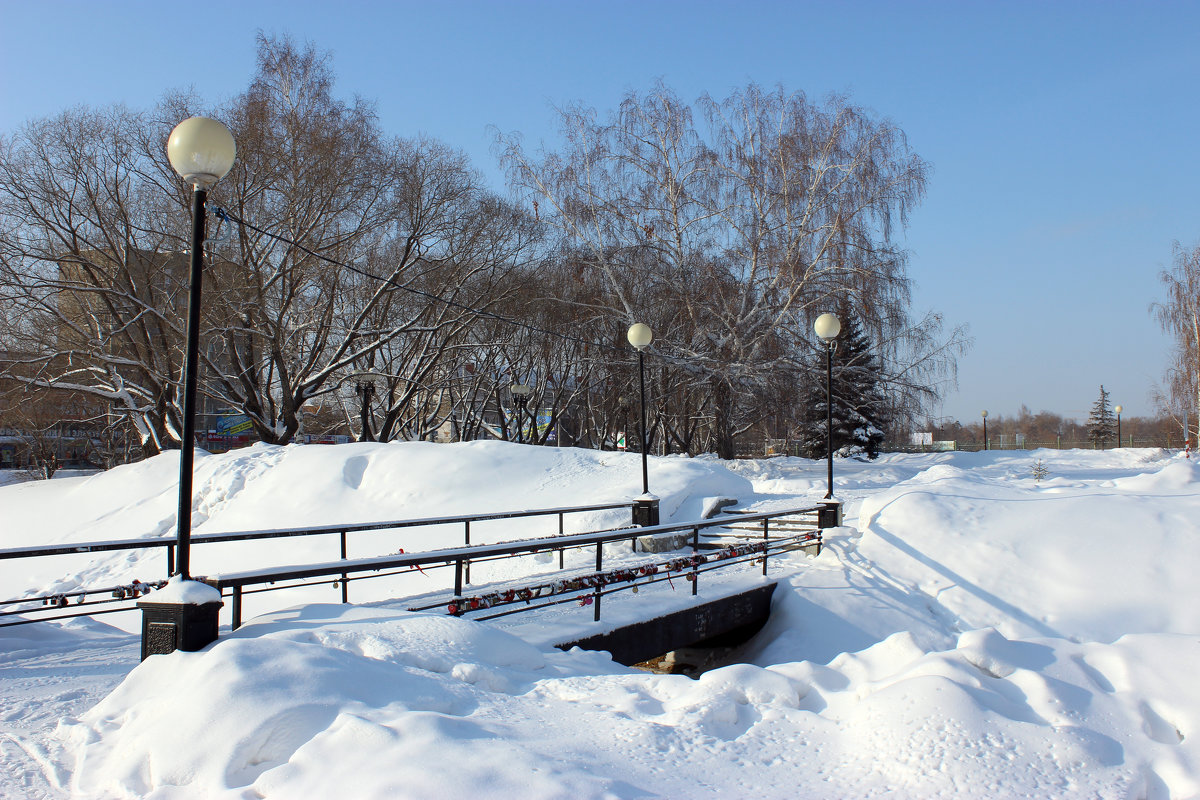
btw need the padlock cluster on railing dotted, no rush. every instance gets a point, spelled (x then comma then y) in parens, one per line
(130, 590)
(136, 589)
(599, 580)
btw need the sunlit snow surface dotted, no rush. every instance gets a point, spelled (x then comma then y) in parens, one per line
(971, 633)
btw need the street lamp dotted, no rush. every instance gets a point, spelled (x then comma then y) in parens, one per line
(828, 327)
(640, 336)
(520, 395)
(985, 442)
(184, 614)
(365, 389)
(1118, 410)
(202, 151)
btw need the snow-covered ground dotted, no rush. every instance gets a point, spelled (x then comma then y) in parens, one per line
(971, 632)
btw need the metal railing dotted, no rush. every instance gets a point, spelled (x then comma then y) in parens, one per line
(1009, 443)
(766, 448)
(116, 598)
(799, 528)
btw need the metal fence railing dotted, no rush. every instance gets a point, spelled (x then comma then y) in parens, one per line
(1013, 443)
(780, 447)
(95, 600)
(793, 528)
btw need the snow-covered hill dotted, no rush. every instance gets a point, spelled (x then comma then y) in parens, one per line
(972, 632)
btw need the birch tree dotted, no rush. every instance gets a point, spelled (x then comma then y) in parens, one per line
(1179, 316)
(729, 225)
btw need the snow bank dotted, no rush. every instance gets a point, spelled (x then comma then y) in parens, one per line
(267, 486)
(398, 705)
(1084, 555)
(971, 632)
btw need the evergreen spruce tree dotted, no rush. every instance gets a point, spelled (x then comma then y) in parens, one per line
(859, 406)
(1102, 424)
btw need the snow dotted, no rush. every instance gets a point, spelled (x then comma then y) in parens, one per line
(185, 593)
(970, 632)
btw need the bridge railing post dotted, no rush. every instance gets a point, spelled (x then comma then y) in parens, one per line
(561, 550)
(467, 541)
(598, 595)
(458, 587)
(345, 578)
(766, 547)
(235, 610)
(695, 564)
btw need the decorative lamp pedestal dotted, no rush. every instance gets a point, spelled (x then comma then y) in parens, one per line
(830, 514)
(180, 616)
(645, 511)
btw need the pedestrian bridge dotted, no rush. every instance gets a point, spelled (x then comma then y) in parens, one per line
(728, 554)
(725, 622)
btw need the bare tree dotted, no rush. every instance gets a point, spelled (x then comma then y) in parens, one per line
(729, 234)
(429, 247)
(1179, 316)
(353, 252)
(86, 266)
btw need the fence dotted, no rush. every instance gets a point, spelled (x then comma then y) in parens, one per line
(800, 528)
(111, 599)
(1166, 442)
(779, 447)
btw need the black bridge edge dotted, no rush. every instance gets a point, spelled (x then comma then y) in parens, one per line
(641, 641)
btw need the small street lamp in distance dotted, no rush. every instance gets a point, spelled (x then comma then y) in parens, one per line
(645, 513)
(364, 387)
(827, 328)
(183, 615)
(520, 395)
(985, 441)
(1118, 410)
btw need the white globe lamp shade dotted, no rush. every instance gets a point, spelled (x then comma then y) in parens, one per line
(201, 150)
(521, 390)
(640, 335)
(983, 414)
(827, 327)
(1117, 409)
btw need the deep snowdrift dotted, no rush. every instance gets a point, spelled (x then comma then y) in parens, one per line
(971, 633)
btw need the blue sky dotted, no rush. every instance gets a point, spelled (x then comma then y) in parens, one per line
(1063, 135)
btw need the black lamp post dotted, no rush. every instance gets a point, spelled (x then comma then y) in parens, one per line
(520, 395)
(646, 513)
(365, 389)
(983, 414)
(202, 151)
(1118, 410)
(183, 615)
(640, 337)
(828, 327)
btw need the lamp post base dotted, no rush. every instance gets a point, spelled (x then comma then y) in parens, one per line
(830, 515)
(645, 511)
(180, 616)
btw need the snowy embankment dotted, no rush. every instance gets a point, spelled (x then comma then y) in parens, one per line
(266, 487)
(970, 633)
